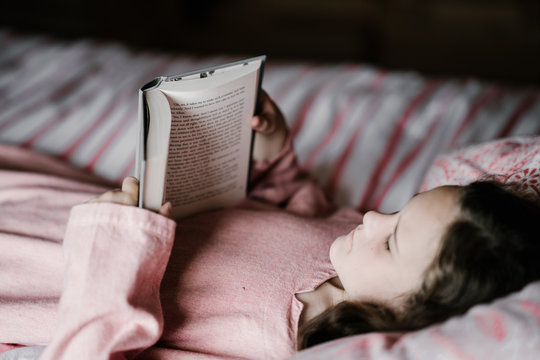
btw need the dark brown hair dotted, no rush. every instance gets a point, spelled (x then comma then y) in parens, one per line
(491, 250)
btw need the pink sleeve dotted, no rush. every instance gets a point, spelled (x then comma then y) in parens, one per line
(282, 182)
(115, 257)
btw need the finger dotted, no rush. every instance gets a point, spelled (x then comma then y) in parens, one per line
(255, 122)
(104, 197)
(262, 124)
(259, 123)
(165, 209)
(130, 186)
(267, 105)
(92, 200)
(114, 196)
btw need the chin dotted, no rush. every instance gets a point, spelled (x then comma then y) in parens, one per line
(332, 251)
(334, 248)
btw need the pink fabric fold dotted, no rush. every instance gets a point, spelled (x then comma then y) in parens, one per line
(110, 307)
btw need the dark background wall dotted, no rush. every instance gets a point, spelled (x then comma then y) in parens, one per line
(490, 39)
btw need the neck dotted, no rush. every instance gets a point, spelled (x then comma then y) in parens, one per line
(327, 295)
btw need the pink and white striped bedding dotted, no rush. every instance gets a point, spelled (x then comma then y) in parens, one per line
(368, 135)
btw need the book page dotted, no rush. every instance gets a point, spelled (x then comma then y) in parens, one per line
(209, 146)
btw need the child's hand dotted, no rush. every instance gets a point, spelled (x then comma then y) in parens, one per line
(128, 195)
(271, 130)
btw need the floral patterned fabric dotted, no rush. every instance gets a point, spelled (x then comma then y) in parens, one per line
(514, 160)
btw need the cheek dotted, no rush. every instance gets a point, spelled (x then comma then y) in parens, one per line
(378, 284)
(369, 275)
(354, 266)
(363, 281)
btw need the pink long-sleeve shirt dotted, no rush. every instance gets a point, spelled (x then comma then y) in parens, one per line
(135, 284)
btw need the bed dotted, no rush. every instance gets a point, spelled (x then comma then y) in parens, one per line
(373, 138)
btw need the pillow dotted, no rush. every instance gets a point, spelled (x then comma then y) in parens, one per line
(22, 353)
(508, 328)
(510, 160)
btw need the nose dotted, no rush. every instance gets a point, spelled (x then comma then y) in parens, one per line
(372, 217)
(377, 222)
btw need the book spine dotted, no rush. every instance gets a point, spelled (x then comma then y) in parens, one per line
(140, 152)
(262, 58)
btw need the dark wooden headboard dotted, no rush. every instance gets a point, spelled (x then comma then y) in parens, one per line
(491, 39)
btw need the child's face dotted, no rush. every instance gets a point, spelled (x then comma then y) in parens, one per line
(369, 271)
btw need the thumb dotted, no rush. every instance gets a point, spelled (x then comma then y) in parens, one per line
(165, 209)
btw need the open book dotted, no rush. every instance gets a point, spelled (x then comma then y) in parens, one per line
(195, 139)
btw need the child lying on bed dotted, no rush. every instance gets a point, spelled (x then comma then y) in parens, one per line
(270, 275)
